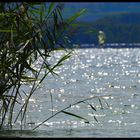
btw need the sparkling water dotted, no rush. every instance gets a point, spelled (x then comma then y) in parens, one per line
(111, 75)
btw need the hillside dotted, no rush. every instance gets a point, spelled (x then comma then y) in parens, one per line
(119, 28)
(97, 10)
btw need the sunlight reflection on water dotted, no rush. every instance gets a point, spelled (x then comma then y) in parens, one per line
(111, 73)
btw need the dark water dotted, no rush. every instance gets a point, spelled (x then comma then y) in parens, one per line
(113, 75)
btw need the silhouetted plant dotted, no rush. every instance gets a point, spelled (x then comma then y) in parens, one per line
(28, 31)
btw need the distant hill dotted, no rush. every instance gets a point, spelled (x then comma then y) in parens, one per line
(119, 28)
(97, 10)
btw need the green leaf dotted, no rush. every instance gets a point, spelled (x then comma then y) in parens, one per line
(6, 14)
(8, 31)
(92, 107)
(72, 18)
(64, 58)
(35, 11)
(42, 12)
(29, 67)
(29, 78)
(74, 24)
(50, 7)
(95, 119)
(60, 14)
(100, 103)
(68, 113)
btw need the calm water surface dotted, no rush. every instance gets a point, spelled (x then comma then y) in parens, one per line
(112, 75)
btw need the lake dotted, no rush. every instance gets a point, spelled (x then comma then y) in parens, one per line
(110, 75)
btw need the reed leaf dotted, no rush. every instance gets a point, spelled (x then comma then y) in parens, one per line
(32, 31)
(51, 8)
(77, 116)
(75, 16)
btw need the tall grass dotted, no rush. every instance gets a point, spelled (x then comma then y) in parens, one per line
(28, 31)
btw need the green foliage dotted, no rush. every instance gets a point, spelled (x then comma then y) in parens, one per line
(29, 31)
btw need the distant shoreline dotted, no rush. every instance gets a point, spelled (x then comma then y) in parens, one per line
(107, 45)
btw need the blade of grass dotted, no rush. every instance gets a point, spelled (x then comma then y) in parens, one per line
(77, 116)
